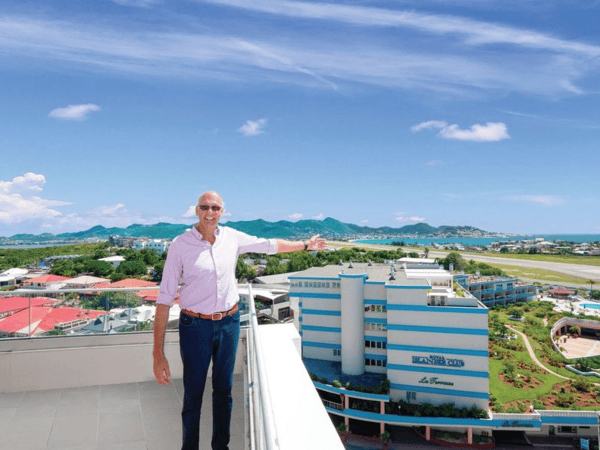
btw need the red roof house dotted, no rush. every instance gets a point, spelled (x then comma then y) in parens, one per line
(66, 318)
(44, 281)
(126, 283)
(150, 295)
(24, 322)
(41, 319)
(15, 304)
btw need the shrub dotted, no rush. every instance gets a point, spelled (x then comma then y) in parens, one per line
(581, 384)
(564, 400)
(538, 405)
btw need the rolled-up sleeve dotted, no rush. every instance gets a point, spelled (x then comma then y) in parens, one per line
(253, 244)
(171, 275)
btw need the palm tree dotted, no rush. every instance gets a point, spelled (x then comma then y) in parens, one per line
(591, 285)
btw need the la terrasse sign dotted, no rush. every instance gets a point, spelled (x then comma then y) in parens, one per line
(436, 360)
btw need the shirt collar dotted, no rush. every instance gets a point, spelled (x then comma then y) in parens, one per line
(198, 235)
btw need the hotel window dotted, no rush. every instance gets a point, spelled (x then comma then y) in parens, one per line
(567, 429)
(327, 285)
(375, 344)
(411, 396)
(337, 352)
(376, 308)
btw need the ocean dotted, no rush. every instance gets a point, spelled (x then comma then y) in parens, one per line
(485, 240)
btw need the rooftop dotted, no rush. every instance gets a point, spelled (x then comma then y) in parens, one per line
(375, 272)
(128, 416)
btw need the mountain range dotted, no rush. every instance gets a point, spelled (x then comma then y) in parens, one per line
(329, 228)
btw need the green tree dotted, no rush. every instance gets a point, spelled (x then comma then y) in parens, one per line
(456, 260)
(149, 256)
(63, 268)
(132, 268)
(158, 270)
(100, 268)
(100, 253)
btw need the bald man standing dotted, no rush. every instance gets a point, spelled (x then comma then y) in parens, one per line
(204, 260)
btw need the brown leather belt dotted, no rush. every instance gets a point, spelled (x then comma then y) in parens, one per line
(213, 316)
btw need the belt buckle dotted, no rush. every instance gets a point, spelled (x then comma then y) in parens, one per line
(220, 314)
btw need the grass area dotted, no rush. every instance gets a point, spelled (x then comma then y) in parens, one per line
(507, 393)
(542, 275)
(534, 383)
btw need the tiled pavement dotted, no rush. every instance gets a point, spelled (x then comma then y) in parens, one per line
(135, 416)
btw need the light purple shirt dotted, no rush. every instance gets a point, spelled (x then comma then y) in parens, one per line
(207, 271)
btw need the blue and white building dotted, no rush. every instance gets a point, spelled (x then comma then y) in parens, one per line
(404, 320)
(496, 290)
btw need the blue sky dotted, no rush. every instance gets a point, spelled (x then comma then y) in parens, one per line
(466, 112)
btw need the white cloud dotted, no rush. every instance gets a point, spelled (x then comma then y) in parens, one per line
(524, 61)
(23, 209)
(74, 112)
(28, 183)
(319, 216)
(190, 212)
(19, 201)
(138, 3)
(474, 32)
(434, 162)
(295, 216)
(546, 200)
(428, 124)
(253, 127)
(402, 218)
(363, 221)
(490, 132)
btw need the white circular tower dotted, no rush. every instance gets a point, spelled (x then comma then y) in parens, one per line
(353, 315)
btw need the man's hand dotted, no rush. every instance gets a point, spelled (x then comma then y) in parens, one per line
(316, 243)
(161, 370)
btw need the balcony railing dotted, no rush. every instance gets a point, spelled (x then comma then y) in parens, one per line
(282, 409)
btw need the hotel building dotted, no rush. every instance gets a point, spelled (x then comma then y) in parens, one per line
(403, 320)
(496, 290)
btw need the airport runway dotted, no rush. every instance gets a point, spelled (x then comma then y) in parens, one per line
(584, 271)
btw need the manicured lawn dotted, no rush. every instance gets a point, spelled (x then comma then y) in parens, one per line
(506, 393)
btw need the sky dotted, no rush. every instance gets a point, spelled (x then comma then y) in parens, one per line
(379, 113)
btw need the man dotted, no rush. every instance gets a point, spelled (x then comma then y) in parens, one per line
(204, 259)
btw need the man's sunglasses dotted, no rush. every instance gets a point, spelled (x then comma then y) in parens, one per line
(215, 208)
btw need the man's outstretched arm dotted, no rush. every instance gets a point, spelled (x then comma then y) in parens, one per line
(314, 243)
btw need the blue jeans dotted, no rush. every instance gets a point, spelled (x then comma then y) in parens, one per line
(201, 340)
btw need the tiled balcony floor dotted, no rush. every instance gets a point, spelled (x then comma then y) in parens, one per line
(135, 416)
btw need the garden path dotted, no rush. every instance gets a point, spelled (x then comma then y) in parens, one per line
(532, 354)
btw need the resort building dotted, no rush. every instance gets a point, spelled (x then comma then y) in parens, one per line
(494, 290)
(404, 321)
